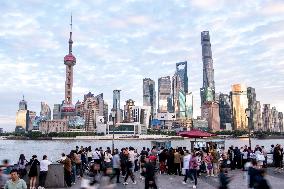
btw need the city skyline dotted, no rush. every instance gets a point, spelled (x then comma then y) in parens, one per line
(130, 41)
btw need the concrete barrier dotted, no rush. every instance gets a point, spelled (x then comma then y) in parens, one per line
(55, 176)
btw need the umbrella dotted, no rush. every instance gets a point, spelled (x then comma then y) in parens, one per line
(195, 133)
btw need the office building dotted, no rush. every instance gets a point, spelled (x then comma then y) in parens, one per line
(210, 112)
(128, 117)
(181, 71)
(149, 95)
(201, 124)
(239, 105)
(189, 105)
(251, 95)
(258, 120)
(53, 126)
(266, 118)
(105, 112)
(22, 117)
(57, 111)
(274, 120)
(116, 106)
(45, 111)
(207, 92)
(164, 94)
(142, 114)
(225, 111)
(32, 121)
(280, 121)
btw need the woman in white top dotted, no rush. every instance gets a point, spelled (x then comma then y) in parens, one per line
(107, 159)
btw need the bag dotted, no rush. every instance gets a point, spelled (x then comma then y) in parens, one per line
(260, 157)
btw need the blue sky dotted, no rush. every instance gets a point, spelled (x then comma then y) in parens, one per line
(118, 43)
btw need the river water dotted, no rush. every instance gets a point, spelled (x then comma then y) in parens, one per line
(11, 149)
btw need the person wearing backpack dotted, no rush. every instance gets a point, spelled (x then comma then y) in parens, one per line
(21, 166)
(193, 165)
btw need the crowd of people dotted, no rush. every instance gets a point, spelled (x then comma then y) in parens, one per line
(107, 168)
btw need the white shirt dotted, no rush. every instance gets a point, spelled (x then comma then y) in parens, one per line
(131, 156)
(186, 160)
(44, 165)
(107, 157)
(97, 155)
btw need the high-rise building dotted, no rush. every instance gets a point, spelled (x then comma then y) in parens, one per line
(32, 120)
(239, 105)
(116, 105)
(149, 95)
(207, 92)
(128, 117)
(225, 111)
(68, 108)
(22, 116)
(164, 94)
(45, 111)
(258, 120)
(105, 112)
(251, 95)
(266, 118)
(189, 105)
(141, 114)
(274, 120)
(280, 121)
(210, 112)
(181, 71)
(57, 111)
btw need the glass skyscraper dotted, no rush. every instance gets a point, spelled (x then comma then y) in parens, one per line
(149, 95)
(164, 93)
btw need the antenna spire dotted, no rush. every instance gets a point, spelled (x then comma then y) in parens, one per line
(70, 39)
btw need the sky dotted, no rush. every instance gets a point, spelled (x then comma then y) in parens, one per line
(118, 43)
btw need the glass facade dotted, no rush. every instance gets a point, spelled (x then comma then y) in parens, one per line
(239, 105)
(164, 91)
(22, 119)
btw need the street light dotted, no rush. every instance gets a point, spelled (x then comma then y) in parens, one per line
(113, 113)
(248, 116)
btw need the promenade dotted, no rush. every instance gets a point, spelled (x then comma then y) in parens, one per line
(172, 181)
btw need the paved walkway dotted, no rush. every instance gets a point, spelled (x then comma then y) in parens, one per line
(175, 182)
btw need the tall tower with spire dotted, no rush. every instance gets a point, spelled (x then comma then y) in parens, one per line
(207, 92)
(68, 108)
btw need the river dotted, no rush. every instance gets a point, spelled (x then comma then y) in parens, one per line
(11, 149)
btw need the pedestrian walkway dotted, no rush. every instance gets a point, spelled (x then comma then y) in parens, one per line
(174, 181)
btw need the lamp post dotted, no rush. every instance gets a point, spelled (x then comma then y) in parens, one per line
(113, 113)
(248, 116)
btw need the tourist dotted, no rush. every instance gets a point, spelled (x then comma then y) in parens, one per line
(144, 152)
(78, 162)
(136, 157)
(170, 162)
(116, 165)
(149, 170)
(129, 166)
(223, 178)
(89, 154)
(207, 158)
(193, 165)
(73, 167)
(186, 160)
(44, 163)
(244, 157)
(33, 173)
(3, 178)
(107, 159)
(261, 182)
(215, 160)
(21, 166)
(237, 158)
(162, 160)
(15, 182)
(232, 157)
(6, 167)
(277, 158)
(177, 163)
(123, 161)
(253, 173)
(259, 158)
(264, 152)
(67, 170)
(97, 156)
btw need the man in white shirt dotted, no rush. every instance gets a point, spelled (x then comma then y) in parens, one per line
(44, 163)
(97, 156)
(186, 160)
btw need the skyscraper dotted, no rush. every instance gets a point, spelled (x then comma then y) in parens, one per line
(266, 117)
(129, 104)
(207, 92)
(57, 111)
(274, 120)
(116, 105)
(280, 122)
(258, 120)
(239, 105)
(68, 108)
(181, 71)
(45, 111)
(251, 95)
(164, 93)
(22, 117)
(225, 111)
(149, 95)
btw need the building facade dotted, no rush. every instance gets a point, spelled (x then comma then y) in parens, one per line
(266, 118)
(280, 121)
(251, 95)
(45, 111)
(57, 111)
(225, 110)
(116, 106)
(207, 92)
(149, 95)
(210, 112)
(239, 105)
(258, 121)
(22, 116)
(53, 126)
(128, 116)
(164, 94)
